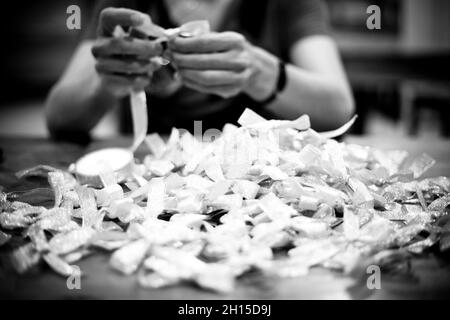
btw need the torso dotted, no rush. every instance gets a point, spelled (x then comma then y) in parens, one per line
(182, 11)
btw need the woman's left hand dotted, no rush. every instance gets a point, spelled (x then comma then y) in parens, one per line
(225, 64)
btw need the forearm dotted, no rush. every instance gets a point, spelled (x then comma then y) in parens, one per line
(316, 83)
(102, 73)
(327, 102)
(78, 106)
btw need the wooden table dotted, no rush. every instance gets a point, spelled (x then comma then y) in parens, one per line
(430, 274)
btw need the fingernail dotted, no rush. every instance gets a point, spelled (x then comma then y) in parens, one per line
(186, 34)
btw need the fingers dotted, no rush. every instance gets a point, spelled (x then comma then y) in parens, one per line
(143, 49)
(111, 17)
(215, 77)
(208, 43)
(129, 67)
(232, 60)
(222, 83)
(213, 63)
(224, 91)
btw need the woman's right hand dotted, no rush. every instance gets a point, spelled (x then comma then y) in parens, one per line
(124, 64)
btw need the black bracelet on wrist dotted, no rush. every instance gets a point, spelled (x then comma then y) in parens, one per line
(281, 83)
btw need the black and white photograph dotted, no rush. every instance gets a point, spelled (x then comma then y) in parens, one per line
(230, 157)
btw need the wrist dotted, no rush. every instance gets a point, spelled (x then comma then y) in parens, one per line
(101, 96)
(100, 89)
(265, 72)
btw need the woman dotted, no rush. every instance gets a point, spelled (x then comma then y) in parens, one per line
(273, 56)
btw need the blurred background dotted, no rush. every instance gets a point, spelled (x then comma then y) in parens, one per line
(400, 73)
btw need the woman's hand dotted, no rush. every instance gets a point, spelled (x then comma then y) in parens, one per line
(124, 63)
(225, 64)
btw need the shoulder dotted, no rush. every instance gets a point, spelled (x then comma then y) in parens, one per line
(301, 18)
